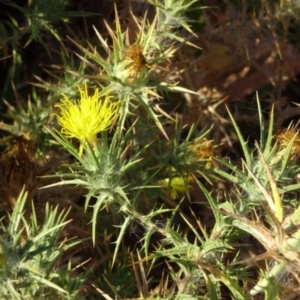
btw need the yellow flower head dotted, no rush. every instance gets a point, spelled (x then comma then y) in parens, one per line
(85, 119)
(177, 185)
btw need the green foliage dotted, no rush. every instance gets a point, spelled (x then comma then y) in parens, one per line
(29, 253)
(40, 17)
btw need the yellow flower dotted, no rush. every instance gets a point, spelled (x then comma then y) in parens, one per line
(86, 118)
(177, 185)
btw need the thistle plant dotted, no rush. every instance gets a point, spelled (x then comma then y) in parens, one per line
(127, 76)
(128, 70)
(164, 216)
(114, 174)
(129, 169)
(267, 185)
(30, 253)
